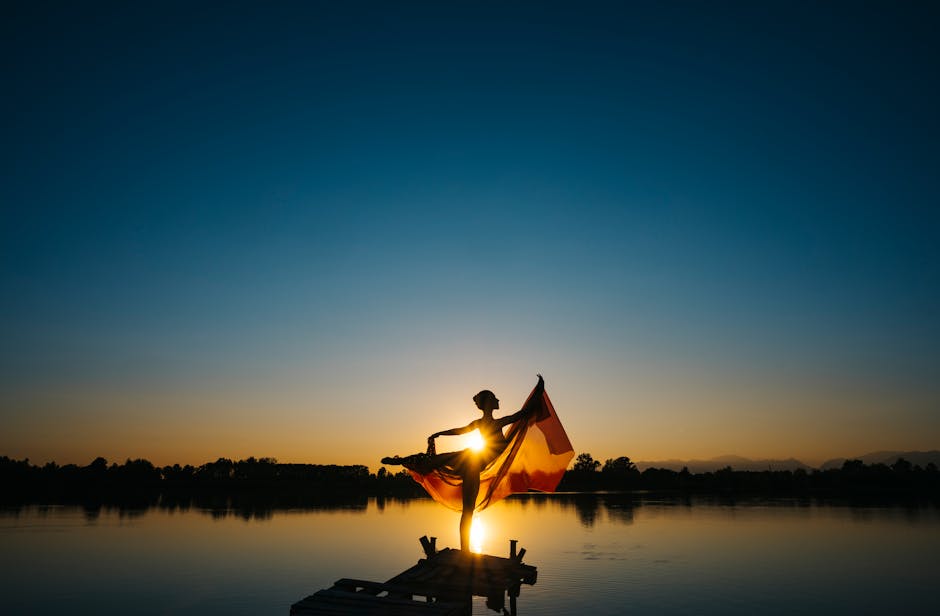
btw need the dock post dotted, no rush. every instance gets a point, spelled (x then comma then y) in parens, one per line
(428, 545)
(512, 548)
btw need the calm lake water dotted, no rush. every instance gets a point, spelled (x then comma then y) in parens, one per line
(607, 554)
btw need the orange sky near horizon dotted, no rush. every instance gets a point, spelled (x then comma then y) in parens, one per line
(645, 418)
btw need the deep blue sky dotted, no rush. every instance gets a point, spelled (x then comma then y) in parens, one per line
(240, 229)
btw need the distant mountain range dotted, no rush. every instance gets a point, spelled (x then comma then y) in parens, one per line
(919, 458)
(738, 463)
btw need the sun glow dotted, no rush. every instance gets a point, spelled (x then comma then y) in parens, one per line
(475, 441)
(477, 535)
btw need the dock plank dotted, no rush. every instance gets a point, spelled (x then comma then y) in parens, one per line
(335, 602)
(442, 584)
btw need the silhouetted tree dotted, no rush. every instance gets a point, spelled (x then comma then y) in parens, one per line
(619, 466)
(619, 473)
(901, 466)
(585, 463)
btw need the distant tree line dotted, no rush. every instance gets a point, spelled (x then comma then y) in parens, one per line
(853, 478)
(215, 483)
(243, 483)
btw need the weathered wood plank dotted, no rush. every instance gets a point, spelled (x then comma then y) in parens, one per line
(439, 585)
(329, 602)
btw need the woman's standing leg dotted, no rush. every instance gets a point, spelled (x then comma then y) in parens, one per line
(471, 488)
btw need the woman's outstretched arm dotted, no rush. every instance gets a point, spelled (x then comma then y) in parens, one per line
(509, 419)
(455, 431)
(522, 414)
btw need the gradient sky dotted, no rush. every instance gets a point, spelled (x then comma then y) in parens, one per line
(314, 230)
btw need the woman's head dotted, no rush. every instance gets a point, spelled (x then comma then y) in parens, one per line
(486, 400)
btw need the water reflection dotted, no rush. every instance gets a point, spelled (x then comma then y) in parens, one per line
(477, 534)
(605, 552)
(586, 506)
(589, 508)
(247, 507)
(620, 508)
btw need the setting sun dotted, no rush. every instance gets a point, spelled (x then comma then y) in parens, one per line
(475, 441)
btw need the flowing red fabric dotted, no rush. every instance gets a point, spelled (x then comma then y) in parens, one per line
(535, 458)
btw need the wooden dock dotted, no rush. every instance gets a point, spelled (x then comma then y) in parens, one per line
(441, 584)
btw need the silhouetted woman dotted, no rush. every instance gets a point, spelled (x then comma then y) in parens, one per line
(469, 463)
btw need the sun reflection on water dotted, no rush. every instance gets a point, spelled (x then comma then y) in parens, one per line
(477, 535)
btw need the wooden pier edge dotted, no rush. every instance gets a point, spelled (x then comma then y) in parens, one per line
(440, 584)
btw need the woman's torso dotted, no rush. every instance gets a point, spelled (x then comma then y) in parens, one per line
(492, 434)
